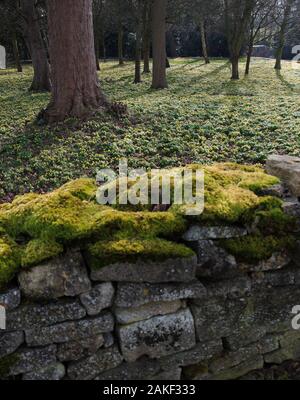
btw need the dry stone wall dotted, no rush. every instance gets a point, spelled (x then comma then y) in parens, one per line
(205, 317)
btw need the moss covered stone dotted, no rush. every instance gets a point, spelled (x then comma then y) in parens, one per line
(254, 248)
(43, 225)
(108, 252)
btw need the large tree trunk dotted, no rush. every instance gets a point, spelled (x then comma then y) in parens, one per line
(76, 90)
(235, 67)
(36, 46)
(159, 76)
(120, 43)
(203, 41)
(16, 52)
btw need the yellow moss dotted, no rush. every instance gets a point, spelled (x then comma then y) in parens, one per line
(108, 252)
(71, 215)
(10, 255)
(38, 250)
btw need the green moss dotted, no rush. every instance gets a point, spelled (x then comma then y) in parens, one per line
(70, 215)
(108, 252)
(6, 363)
(38, 250)
(254, 248)
(10, 256)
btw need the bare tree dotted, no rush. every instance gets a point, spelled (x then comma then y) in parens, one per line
(282, 19)
(237, 17)
(259, 27)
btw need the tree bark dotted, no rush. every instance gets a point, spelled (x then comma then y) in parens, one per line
(120, 43)
(249, 57)
(203, 41)
(235, 67)
(282, 33)
(76, 90)
(138, 53)
(146, 36)
(16, 52)
(159, 76)
(36, 46)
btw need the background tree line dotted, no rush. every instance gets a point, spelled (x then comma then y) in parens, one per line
(65, 39)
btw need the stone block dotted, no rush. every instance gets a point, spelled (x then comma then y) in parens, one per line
(158, 336)
(62, 276)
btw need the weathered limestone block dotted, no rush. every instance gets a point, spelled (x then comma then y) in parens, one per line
(289, 349)
(277, 190)
(287, 168)
(201, 352)
(31, 316)
(10, 342)
(279, 278)
(10, 299)
(292, 207)
(53, 372)
(135, 314)
(158, 336)
(32, 359)
(73, 351)
(139, 370)
(172, 270)
(135, 295)
(272, 308)
(70, 331)
(213, 261)
(198, 232)
(277, 261)
(99, 298)
(171, 375)
(233, 288)
(257, 362)
(62, 276)
(217, 318)
(90, 367)
(241, 338)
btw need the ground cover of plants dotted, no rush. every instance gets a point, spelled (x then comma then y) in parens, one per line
(203, 117)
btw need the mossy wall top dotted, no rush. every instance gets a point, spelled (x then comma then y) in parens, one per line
(37, 227)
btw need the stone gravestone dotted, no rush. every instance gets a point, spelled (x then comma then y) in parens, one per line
(2, 58)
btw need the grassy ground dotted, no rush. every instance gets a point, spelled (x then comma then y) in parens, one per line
(202, 117)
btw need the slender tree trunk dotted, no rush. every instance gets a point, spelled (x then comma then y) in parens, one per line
(279, 52)
(35, 43)
(146, 52)
(146, 36)
(120, 43)
(76, 88)
(138, 53)
(203, 41)
(159, 76)
(16, 52)
(249, 57)
(168, 63)
(235, 67)
(282, 34)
